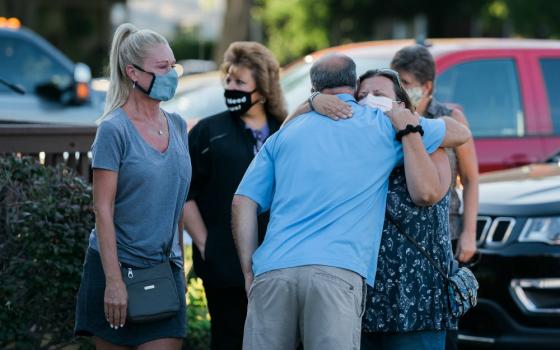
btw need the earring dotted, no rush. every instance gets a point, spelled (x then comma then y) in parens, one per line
(263, 100)
(133, 84)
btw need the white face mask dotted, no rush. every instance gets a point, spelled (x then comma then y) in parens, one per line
(415, 94)
(383, 103)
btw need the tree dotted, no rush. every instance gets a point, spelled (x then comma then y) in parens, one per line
(236, 27)
(295, 27)
(533, 19)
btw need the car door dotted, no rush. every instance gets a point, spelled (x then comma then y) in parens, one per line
(546, 88)
(491, 88)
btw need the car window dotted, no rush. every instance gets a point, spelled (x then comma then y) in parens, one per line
(26, 64)
(488, 92)
(551, 72)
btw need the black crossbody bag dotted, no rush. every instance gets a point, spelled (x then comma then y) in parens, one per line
(152, 292)
(462, 286)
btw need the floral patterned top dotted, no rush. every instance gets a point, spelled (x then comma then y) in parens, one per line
(409, 294)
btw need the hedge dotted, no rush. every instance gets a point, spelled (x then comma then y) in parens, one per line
(45, 219)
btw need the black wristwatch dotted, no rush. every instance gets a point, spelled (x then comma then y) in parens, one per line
(408, 130)
(310, 99)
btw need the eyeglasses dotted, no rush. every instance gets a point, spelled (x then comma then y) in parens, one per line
(393, 74)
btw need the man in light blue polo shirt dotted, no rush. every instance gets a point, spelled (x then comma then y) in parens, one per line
(325, 183)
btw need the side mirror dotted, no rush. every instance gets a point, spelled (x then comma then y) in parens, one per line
(69, 89)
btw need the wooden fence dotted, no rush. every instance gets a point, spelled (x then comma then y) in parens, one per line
(51, 144)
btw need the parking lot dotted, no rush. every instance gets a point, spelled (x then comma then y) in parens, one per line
(506, 87)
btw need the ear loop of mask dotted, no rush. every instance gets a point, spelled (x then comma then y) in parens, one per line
(251, 97)
(136, 85)
(253, 103)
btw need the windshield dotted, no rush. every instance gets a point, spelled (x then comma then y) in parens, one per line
(297, 84)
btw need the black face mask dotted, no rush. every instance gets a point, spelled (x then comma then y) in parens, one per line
(238, 102)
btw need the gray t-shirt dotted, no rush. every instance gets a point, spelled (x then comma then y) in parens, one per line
(151, 187)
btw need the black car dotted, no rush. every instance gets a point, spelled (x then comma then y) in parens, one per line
(519, 267)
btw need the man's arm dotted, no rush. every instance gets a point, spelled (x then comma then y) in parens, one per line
(254, 194)
(245, 234)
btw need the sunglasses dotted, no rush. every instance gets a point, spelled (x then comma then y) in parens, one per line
(390, 73)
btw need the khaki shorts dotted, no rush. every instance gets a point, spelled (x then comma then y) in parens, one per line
(317, 305)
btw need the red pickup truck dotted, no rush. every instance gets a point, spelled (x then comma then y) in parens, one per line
(509, 90)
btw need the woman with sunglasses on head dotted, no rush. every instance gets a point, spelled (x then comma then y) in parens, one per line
(416, 67)
(222, 147)
(407, 307)
(141, 175)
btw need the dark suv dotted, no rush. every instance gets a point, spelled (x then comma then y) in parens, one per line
(519, 269)
(39, 84)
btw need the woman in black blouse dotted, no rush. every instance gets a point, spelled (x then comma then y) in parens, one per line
(221, 148)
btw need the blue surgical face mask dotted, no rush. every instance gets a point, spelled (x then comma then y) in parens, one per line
(162, 87)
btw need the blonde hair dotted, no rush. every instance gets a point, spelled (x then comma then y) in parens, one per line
(266, 72)
(130, 46)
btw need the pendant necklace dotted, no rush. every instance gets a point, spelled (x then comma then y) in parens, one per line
(160, 131)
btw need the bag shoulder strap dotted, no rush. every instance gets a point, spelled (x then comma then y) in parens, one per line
(180, 126)
(168, 249)
(418, 246)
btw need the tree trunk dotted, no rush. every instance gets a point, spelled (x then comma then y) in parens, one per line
(236, 26)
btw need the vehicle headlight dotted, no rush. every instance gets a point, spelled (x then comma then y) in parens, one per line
(546, 230)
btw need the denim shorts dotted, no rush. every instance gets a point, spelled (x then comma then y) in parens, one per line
(90, 316)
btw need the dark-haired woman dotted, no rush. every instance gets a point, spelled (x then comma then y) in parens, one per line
(417, 69)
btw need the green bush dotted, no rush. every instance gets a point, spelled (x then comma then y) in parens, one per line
(198, 319)
(45, 218)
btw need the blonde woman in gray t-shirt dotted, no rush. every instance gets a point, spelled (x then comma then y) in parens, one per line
(141, 174)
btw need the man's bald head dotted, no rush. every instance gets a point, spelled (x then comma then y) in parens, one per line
(334, 70)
